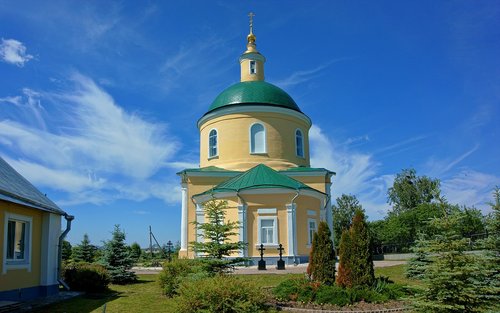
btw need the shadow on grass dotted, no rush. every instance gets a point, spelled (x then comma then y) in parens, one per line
(82, 304)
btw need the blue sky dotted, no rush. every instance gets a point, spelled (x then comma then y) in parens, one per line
(99, 100)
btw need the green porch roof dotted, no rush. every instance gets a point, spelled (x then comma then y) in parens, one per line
(206, 169)
(306, 169)
(259, 177)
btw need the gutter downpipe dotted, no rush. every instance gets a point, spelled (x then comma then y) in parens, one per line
(68, 219)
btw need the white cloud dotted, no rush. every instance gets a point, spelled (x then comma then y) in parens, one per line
(300, 77)
(357, 173)
(471, 188)
(98, 152)
(58, 179)
(14, 52)
(438, 167)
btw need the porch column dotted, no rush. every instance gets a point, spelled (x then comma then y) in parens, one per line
(200, 218)
(292, 229)
(184, 216)
(242, 218)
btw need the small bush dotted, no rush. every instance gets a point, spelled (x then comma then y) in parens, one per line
(332, 295)
(296, 289)
(303, 290)
(175, 272)
(86, 277)
(226, 294)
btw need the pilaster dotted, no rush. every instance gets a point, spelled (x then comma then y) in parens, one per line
(184, 216)
(292, 229)
(242, 218)
(200, 218)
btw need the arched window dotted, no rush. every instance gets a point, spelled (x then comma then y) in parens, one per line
(257, 138)
(212, 143)
(299, 143)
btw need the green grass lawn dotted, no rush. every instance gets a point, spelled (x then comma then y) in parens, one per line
(397, 274)
(146, 295)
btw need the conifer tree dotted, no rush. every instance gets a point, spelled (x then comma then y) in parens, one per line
(321, 266)
(216, 243)
(84, 252)
(135, 251)
(455, 281)
(344, 277)
(491, 256)
(362, 266)
(356, 256)
(416, 265)
(117, 258)
(66, 252)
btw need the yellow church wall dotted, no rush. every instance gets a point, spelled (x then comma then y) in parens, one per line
(304, 206)
(21, 278)
(199, 184)
(233, 130)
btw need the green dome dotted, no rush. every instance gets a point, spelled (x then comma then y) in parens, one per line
(254, 92)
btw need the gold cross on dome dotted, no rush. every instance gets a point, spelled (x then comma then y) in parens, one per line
(251, 15)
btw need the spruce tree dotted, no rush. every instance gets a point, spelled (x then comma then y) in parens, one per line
(117, 258)
(66, 252)
(455, 281)
(216, 243)
(491, 256)
(416, 265)
(84, 252)
(321, 266)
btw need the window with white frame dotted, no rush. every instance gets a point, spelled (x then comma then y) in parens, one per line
(253, 67)
(212, 143)
(268, 231)
(257, 138)
(311, 229)
(17, 241)
(299, 143)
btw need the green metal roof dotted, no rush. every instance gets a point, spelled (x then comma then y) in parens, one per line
(259, 177)
(254, 92)
(206, 169)
(306, 169)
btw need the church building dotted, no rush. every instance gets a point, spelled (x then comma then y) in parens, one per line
(254, 153)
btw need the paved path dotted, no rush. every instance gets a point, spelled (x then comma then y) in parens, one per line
(298, 269)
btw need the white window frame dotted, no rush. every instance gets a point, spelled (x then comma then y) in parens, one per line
(254, 72)
(275, 242)
(252, 139)
(216, 143)
(309, 236)
(301, 142)
(9, 264)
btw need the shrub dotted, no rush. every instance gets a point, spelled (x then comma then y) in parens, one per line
(321, 266)
(296, 289)
(86, 277)
(224, 293)
(304, 291)
(175, 272)
(332, 295)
